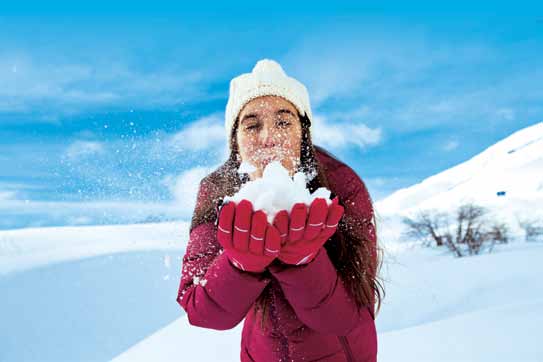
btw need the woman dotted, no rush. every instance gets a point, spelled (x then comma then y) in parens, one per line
(304, 298)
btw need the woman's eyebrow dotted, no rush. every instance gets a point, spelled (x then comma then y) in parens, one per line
(250, 115)
(255, 115)
(284, 110)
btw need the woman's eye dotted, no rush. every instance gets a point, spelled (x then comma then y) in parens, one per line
(283, 122)
(253, 126)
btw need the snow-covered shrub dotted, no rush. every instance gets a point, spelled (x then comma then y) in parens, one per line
(533, 229)
(468, 232)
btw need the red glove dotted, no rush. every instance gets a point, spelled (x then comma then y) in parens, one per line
(306, 234)
(246, 238)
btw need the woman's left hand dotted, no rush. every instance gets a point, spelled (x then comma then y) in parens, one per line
(304, 233)
(245, 236)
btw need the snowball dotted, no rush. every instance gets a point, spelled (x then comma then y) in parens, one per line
(276, 190)
(246, 167)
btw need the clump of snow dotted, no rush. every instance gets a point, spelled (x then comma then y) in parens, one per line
(276, 190)
(311, 174)
(197, 281)
(246, 167)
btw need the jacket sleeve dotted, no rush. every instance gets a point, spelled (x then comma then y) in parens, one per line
(317, 294)
(316, 291)
(213, 292)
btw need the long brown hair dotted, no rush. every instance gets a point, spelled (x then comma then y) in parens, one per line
(357, 260)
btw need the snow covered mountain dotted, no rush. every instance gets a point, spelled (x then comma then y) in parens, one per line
(512, 167)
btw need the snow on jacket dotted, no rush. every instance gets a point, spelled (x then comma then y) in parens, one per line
(313, 317)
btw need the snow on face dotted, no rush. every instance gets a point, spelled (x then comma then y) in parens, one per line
(269, 129)
(276, 190)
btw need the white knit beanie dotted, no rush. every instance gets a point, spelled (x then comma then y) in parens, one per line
(266, 78)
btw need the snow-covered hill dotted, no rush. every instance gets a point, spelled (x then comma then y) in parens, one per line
(86, 293)
(22, 249)
(513, 165)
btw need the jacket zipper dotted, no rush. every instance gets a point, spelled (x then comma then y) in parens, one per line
(346, 348)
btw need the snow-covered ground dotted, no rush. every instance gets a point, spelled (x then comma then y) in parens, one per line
(88, 309)
(89, 292)
(438, 308)
(94, 293)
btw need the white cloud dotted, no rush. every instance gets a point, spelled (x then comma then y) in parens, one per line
(7, 195)
(14, 191)
(450, 145)
(204, 133)
(81, 149)
(344, 134)
(382, 181)
(59, 86)
(184, 187)
(506, 113)
(38, 213)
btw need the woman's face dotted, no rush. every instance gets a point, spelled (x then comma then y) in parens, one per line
(269, 129)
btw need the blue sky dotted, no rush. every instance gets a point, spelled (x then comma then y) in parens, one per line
(113, 112)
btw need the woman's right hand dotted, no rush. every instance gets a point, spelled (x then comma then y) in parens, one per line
(304, 231)
(248, 241)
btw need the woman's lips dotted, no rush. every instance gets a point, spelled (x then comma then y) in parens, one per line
(268, 159)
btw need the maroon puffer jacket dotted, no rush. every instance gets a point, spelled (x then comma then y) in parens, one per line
(312, 318)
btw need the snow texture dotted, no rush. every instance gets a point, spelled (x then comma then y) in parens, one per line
(276, 190)
(437, 308)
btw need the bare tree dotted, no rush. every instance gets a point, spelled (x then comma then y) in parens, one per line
(470, 224)
(426, 227)
(473, 231)
(498, 234)
(533, 229)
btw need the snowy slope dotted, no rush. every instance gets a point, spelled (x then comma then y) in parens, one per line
(438, 308)
(23, 249)
(84, 293)
(503, 333)
(514, 165)
(181, 342)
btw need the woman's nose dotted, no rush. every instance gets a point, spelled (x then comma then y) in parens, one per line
(267, 137)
